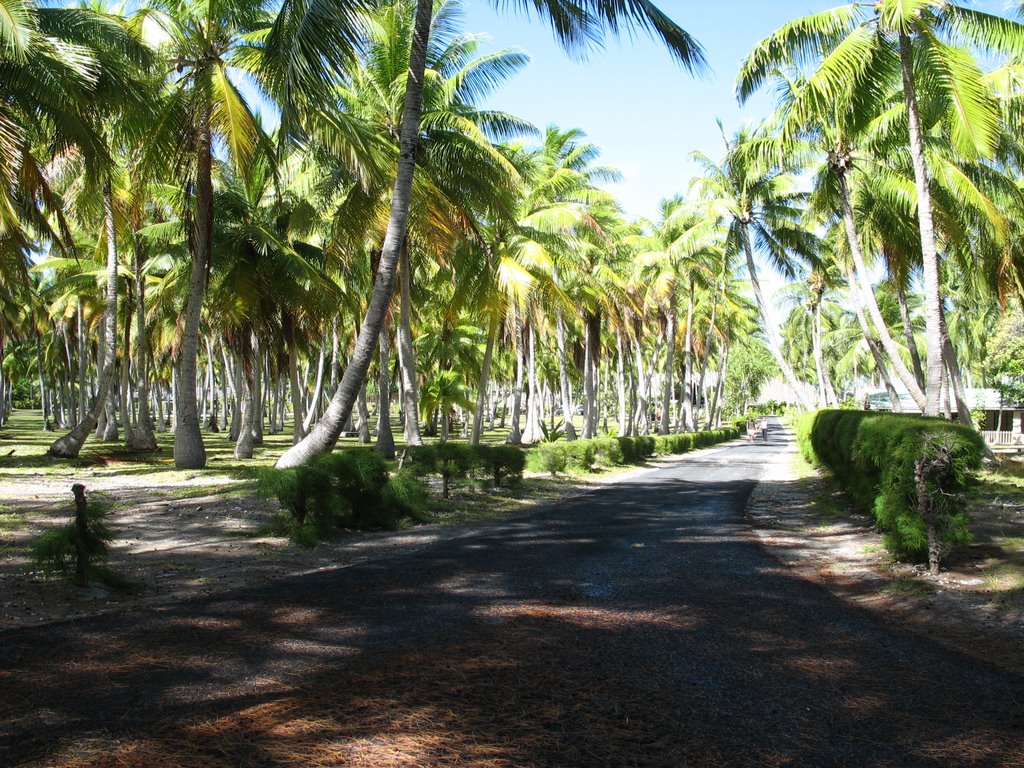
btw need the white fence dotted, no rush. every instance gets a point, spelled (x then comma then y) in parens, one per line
(993, 437)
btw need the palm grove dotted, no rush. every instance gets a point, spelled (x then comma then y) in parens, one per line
(396, 247)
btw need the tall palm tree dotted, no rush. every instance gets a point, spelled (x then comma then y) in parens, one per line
(761, 210)
(858, 49)
(673, 256)
(577, 24)
(205, 45)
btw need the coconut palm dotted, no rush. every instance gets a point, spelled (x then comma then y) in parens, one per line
(762, 211)
(858, 49)
(576, 25)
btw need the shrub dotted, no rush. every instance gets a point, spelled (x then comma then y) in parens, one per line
(550, 457)
(349, 487)
(910, 470)
(581, 454)
(499, 462)
(607, 451)
(78, 550)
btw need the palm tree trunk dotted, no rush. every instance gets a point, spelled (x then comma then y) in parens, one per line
(707, 356)
(876, 352)
(716, 400)
(935, 365)
(532, 432)
(485, 373)
(70, 445)
(364, 417)
(126, 411)
(385, 437)
(908, 334)
(867, 296)
(670, 339)
(318, 388)
(688, 421)
(568, 409)
(819, 358)
(515, 437)
(590, 363)
(189, 451)
(324, 435)
(143, 438)
(774, 344)
(407, 353)
(620, 384)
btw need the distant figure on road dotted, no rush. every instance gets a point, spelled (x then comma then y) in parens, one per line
(750, 431)
(763, 424)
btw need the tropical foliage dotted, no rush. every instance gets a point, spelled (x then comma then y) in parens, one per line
(395, 254)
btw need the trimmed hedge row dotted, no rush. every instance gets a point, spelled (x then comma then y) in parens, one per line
(495, 464)
(910, 470)
(586, 455)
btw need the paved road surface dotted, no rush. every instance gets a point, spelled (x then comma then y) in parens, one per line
(637, 625)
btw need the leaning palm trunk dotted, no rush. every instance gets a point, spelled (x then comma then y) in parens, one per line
(485, 373)
(318, 389)
(908, 334)
(70, 445)
(935, 365)
(716, 400)
(867, 297)
(324, 436)
(189, 451)
(774, 344)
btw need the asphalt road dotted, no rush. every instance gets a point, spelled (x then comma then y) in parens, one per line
(636, 625)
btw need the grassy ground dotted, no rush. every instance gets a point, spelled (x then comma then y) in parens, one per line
(23, 446)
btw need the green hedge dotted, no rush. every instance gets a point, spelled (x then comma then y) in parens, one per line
(350, 488)
(875, 458)
(586, 455)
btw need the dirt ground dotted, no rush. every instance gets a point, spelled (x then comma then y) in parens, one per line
(975, 604)
(188, 535)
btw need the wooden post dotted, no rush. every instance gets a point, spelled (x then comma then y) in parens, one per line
(82, 533)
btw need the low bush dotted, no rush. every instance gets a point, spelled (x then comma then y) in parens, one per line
(607, 452)
(78, 550)
(500, 462)
(581, 455)
(548, 457)
(345, 488)
(909, 470)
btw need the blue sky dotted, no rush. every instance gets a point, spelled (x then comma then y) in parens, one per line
(645, 112)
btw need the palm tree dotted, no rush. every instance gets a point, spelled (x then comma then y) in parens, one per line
(118, 110)
(675, 255)
(204, 44)
(576, 26)
(859, 49)
(761, 210)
